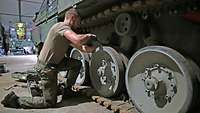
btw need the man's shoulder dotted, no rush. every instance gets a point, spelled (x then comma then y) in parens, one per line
(60, 25)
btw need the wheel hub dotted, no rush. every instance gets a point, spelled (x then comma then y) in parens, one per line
(160, 84)
(125, 24)
(151, 84)
(101, 72)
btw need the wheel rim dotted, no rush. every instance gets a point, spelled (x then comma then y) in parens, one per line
(155, 93)
(83, 57)
(107, 72)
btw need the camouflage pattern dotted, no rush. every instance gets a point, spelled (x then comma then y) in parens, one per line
(48, 75)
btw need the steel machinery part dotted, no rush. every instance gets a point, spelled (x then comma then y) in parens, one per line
(83, 76)
(161, 80)
(3, 68)
(107, 71)
(130, 28)
(126, 24)
(120, 13)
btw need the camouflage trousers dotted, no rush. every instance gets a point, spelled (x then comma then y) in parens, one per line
(48, 74)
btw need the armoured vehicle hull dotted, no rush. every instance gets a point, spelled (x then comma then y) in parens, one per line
(153, 51)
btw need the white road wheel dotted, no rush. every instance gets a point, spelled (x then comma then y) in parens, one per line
(160, 80)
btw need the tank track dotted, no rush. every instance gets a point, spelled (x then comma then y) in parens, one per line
(146, 8)
(116, 105)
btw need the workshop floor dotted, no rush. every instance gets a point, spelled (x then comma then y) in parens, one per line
(76, 104)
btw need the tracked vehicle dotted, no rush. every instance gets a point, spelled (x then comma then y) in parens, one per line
(150, 49)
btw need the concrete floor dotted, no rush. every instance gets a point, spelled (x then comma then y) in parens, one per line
(76, 104)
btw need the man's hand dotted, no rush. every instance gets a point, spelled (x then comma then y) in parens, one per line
(91, 35)
(75, 88)
(79, 41)
(85, 37)
(88, 49)
(78, 87)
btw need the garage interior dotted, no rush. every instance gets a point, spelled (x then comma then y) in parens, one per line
(21, 56)
(146, 58)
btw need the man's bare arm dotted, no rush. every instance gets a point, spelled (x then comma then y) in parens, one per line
(78, 40)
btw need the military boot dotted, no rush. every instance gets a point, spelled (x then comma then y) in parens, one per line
(49, 92)
(10, 100)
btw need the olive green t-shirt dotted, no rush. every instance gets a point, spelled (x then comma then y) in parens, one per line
(55, 45)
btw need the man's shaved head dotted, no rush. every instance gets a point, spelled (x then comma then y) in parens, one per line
(72, 18)
(70, 12)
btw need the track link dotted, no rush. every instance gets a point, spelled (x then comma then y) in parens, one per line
(116, 105)
(145, 8)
